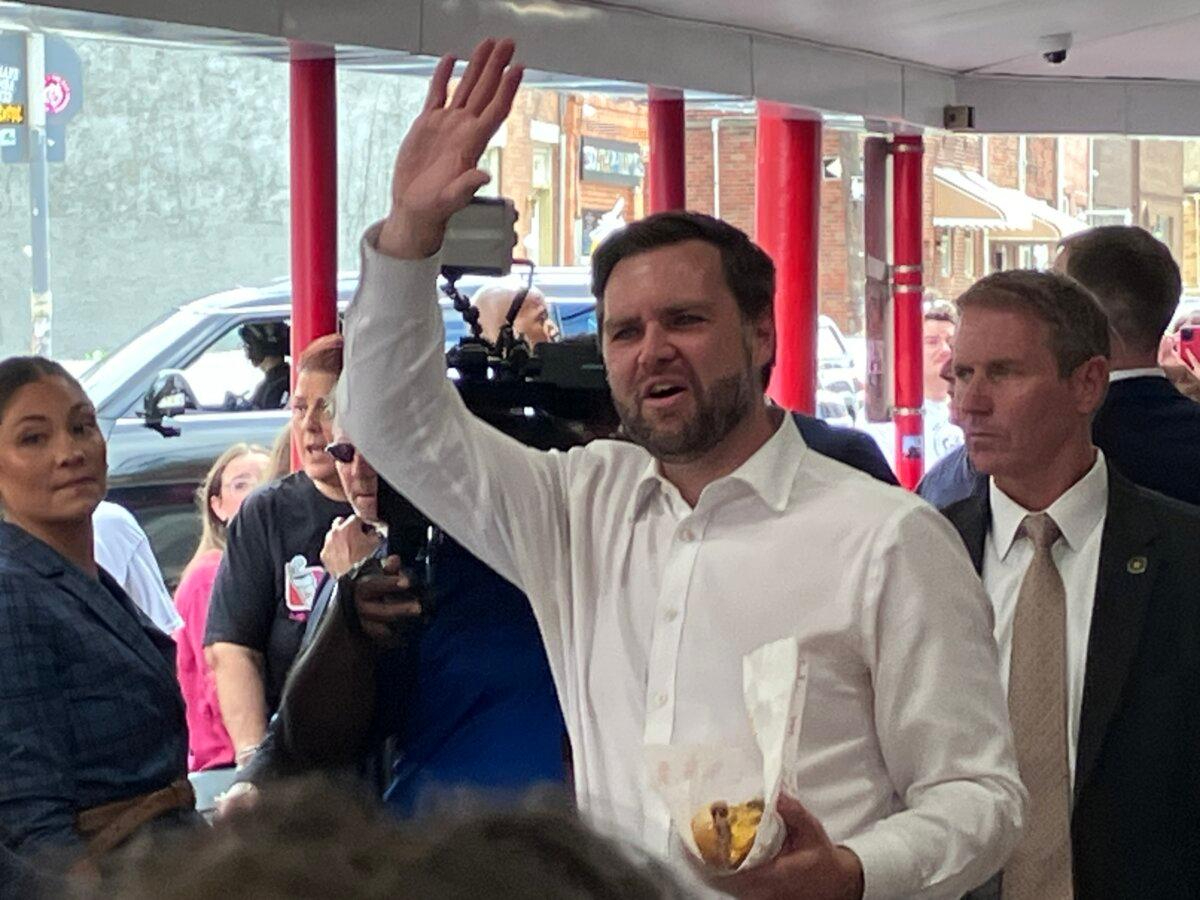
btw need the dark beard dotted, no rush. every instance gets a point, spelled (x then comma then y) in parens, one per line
(719, 410)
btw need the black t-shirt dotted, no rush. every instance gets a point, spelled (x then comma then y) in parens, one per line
(270, 571)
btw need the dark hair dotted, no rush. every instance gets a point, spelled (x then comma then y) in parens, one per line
(1078, 326)
(748, 270)
(1132, 275)
(18, 371)
(323, 355)
(263, 339)
(312, 839)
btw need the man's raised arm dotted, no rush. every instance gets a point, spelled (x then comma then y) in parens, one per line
(498, 498)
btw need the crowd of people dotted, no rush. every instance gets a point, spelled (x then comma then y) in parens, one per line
(997, 676)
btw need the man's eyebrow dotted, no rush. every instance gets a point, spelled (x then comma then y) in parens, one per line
(33, 417)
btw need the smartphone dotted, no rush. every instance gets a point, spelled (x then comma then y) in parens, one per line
(1189, 339)
(480, 238)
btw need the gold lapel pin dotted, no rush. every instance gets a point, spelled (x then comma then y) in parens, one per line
(1136, 565)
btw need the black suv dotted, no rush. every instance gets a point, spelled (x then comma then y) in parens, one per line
(161, 444)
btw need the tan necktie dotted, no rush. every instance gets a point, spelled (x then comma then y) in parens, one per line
(1040, 869)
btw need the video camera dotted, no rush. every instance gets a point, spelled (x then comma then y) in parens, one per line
(554, 396)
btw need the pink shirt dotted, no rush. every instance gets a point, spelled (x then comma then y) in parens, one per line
(209, 746)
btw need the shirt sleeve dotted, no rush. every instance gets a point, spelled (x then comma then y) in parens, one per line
(941, 717)
(144, 585)
(243, 596)
(37, 790)
(503, 501)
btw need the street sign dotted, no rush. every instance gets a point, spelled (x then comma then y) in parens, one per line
(63, 93)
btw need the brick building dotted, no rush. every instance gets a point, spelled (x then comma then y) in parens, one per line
(575, 163)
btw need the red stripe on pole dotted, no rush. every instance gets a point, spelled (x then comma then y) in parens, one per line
(907, 174)
(787, 206)
(313, 109)
(668, 174)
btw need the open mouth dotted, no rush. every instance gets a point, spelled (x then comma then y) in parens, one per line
(661, 391)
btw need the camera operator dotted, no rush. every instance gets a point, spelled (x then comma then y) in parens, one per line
(532, 322)
(654, 565)
(470, 705)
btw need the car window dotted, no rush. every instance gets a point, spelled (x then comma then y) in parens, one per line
(114, 370)
(222, 375)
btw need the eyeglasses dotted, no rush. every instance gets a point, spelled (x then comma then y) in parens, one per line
(342, 451)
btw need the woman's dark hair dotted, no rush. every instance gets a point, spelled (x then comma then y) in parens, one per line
(748, 270)
(18, 371)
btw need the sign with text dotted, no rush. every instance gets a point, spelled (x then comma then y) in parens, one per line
(63, 95)
(611, 162)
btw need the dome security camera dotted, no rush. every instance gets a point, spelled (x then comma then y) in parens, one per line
(1054, 47)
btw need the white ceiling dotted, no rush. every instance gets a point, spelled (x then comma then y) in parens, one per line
(1112, 38)
(1134, 67)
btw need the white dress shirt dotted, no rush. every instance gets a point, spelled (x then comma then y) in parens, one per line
(1125, 374)
(123, 551)
(647, 606)
(1079, 514)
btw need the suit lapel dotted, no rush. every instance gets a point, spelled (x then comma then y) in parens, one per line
(24, 550)
(970, 517)
(1123, 586)
(123, 623)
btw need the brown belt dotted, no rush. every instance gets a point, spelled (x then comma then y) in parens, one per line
(108, 826)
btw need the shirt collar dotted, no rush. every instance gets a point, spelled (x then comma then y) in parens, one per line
(1125, 374)
(1076, 512)
(769, 472)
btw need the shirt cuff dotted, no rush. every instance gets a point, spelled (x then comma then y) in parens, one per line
(889, 869)
(391, 293)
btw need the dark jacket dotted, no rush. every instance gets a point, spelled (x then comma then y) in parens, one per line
(90, 711)
(854, 448)
(1135, 826)
(1151, 434)
(1147, 429)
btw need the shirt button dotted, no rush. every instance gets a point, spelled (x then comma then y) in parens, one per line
(671, 615)
(687, 535)
(660, 700)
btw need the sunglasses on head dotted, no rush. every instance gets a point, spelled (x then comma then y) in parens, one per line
(342, 451)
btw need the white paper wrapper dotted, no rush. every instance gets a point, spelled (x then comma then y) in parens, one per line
(689, 777)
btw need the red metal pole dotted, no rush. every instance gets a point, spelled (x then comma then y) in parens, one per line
(313, 109)
(907, 174)
(667, 175)
(787, 206)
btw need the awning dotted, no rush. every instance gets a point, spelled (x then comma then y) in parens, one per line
(1049, 224)
(965, 199)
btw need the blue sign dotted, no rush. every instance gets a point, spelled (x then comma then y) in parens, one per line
(63, 97)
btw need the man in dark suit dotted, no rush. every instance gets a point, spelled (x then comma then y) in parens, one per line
(1094, 582)
(1148, 430)
(846, 445)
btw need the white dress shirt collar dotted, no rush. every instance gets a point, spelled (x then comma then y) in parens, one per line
(769, 472)
(1125, 374)
(1076, 512)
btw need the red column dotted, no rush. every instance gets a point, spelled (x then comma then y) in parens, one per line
(787, 206)
(313, 110)
(907, 174)
(314, 196)
(668, 175)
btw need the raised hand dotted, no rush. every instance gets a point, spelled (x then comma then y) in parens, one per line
(436, 172)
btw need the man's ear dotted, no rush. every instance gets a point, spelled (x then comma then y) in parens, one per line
(1089, 383)
(764, 339)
